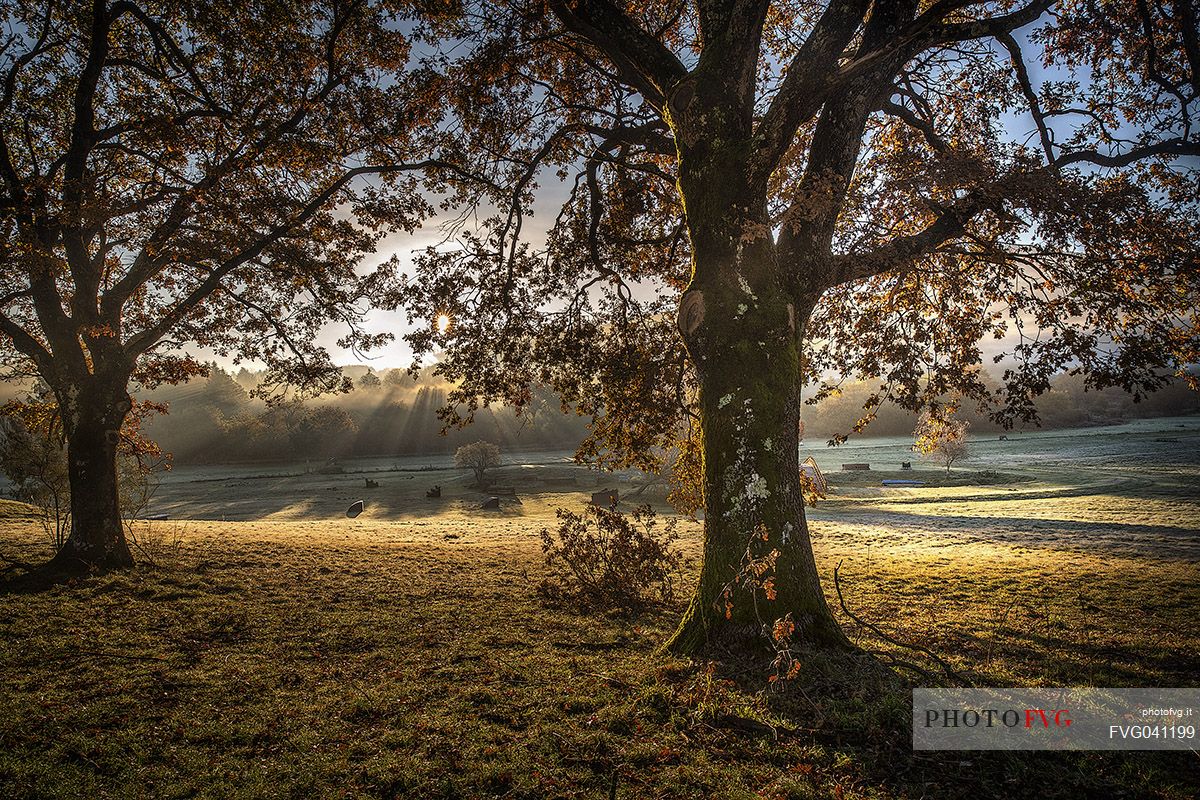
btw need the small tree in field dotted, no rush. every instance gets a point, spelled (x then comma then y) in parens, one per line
(36, 468)
(943, 439)
(478, 457)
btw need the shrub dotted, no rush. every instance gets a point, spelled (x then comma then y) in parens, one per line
(606, 559)
(159, 544)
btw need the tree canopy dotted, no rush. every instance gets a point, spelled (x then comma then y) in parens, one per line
(938, 172)
(202, 174)
(478, 457)
(179, 175)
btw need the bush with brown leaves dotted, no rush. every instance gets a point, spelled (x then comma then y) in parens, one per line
(606, 559)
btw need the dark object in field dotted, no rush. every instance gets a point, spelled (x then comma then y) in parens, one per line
(1003, 438)
(356, 509)
(436, 491)
(371, 484)
(491, 504)
(155, 517)
(606, 497)
(905, 465)
(855, 467)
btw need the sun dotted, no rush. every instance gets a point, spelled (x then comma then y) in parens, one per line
(443, 322)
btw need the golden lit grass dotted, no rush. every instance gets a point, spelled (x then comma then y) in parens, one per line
(382, 658)
(11, 510)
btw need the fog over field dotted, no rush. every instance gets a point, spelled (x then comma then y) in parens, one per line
(216, 419)
(1130, 489)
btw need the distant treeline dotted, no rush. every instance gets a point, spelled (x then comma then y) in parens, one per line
(1066, 405)
(215, 419)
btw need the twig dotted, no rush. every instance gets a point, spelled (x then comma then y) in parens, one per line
(950, 671)
(892, 661)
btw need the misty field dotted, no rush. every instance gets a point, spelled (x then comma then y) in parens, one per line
(275, 648)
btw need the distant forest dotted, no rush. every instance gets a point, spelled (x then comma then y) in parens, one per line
(1066, 405)
(214, 419)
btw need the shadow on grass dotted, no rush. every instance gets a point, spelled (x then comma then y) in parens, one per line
(357, 668)
(852, 715)
(35, 578)
(1115, 538)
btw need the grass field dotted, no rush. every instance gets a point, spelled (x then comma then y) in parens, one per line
(291, 652)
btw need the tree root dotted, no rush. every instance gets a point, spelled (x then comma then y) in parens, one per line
(12, 563)
(950, 672)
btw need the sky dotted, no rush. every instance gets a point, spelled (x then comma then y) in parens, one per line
(549, 199)
(550, 196)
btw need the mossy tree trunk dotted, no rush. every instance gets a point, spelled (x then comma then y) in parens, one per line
(743, 326)
(758, 564)
(93, 410)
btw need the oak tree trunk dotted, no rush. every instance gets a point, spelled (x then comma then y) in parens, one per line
(742, 324)
(744, 334)
(92, 419)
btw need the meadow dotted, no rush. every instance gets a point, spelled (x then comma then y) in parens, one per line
(267, 646)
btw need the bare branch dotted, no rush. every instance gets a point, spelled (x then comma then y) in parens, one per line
(1186, 10)
(1174, 147)
(27, 345)
(149, 337)
(1018, 62)
(903, 251)
(799, 98)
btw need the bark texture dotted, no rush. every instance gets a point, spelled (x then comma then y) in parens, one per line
(743, 329)
(93, 418)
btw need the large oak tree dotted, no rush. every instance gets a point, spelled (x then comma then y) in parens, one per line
(192, 173)
(759, 195)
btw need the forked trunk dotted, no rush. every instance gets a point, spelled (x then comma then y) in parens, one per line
(758, 566)
(97, 537)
